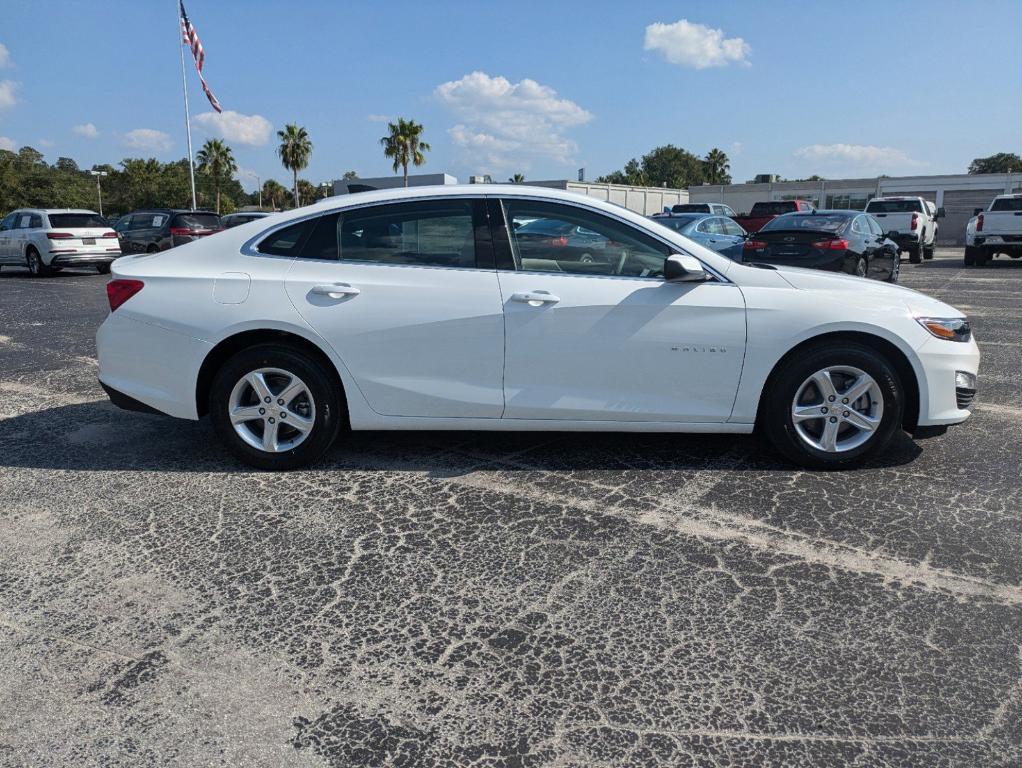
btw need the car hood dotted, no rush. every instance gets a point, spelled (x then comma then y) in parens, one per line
(862, 291)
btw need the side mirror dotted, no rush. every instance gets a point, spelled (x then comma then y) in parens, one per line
(941, 213)
(680, 268)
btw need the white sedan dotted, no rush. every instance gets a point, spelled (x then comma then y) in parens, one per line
(437, 308)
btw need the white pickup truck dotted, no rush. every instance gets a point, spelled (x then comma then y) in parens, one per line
(996, 230)
(911, 222)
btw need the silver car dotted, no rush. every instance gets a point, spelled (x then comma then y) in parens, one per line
(47, 239)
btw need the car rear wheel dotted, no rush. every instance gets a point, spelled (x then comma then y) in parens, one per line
(833, 406)
(929, 249)
(895, 270)
(970, 256)
(859, 267)
(275, 407)
(103, 269)
(36, 265)
(915, 254)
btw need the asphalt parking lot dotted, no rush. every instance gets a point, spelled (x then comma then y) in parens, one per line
(495, 599)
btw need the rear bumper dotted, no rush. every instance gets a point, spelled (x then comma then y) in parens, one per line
(86, 258)
(832, 262)
(905, 241)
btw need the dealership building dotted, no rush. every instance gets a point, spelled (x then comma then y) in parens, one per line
(960, 195)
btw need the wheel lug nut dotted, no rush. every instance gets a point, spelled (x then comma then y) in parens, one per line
(267, 399)
(824, 409)
(832, 398)
(846, 414)
(262, 411)
(271, 420)
(281, 402)
(844, 400)
(833, 419)
(283, 415)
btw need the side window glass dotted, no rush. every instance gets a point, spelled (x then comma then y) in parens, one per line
(37, 221)
(8, 221)
(732, 228)
(859, 225)
(25, 221)
(426, 234)
(286, 241)
(549, 237)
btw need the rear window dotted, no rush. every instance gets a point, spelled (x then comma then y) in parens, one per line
(1007, 204)
(815, 222)
(677, 223)
(76, 220)
(773, 209)
(894, 206)
(197, 220)
(690, 208)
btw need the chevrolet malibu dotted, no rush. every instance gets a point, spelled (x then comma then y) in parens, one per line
(420, 309)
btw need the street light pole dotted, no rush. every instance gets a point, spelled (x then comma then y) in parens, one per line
(259, 183)
(99, 189)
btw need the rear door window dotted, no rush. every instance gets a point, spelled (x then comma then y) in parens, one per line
(25, 221)
(436, 233)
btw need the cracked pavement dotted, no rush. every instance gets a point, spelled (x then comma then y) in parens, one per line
(499, 599)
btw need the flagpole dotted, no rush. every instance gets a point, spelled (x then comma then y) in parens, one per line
(184, 90)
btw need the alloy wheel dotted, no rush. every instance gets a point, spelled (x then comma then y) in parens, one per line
(837, 409)
(272, 410)
(861, 267)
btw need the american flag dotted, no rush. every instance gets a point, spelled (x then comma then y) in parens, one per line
(190, 38)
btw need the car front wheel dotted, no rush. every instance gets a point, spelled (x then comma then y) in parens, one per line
(36, 265)
(833, 406)
(275, 407)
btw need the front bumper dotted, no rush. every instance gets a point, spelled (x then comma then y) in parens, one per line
(941, 400)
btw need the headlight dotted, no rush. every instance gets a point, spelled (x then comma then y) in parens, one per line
(949, 329)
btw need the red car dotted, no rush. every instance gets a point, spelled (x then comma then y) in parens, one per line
(763, 212)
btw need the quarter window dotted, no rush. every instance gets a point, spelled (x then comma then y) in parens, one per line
(733, 228)
(25, 221)
(548, 237)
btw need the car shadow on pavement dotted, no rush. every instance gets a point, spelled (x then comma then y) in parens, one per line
(96, 436)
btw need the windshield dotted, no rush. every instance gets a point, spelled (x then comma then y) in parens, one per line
(894, 206)
(197, 220)
(1007, 204)
(76, 220)
(815, 222)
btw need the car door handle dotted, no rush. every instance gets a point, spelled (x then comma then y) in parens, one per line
(336, 290)
(535, 298)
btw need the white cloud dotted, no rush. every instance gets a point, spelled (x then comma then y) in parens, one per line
(8, 144)
(5, 57)
(695, 45)
(88, 130)
(253, 130)
(505, 125)
(45, 143)
(855, 158)
(7, 97)
(148, 139)
(378, 118)
(737, 147)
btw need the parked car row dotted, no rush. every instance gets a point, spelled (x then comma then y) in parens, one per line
(46, 240)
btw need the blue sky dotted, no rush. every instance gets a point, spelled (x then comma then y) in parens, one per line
(542, 88)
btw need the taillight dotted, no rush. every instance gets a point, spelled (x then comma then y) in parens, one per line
(979, 223)
(754, 245)
(915, 222)
(109, 234)
(119, 291)
(559, 242)
(180, 231)
(59, 235)
(831, 245)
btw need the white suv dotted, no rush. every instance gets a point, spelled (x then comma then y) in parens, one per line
(46, 240)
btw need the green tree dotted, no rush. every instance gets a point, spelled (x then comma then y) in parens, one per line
(217, 162)
(294, 151)
(1002, 162)
(349, 175)
(716, 167)
(672, 166)
(404, 145)
(305, 191)
(518, 178)
(274, 193)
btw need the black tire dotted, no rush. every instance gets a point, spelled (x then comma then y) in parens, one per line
(895, 270)
(915, 255)
(928, 250)
(35, 264)
(860, 267)
(970, 256)
(982, 256)
(154, 248)
(779, 397)
(326, 395)
(103, 269)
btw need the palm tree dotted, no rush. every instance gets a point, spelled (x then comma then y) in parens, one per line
(404, 145)
(518, 178)
(716, 167)
(273, 191)
(216, 161)
(294, 150)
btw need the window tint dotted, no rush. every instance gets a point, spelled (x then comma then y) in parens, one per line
(8, 221)
(690, 208)
(431, 233)
(74, 220)
(894, 206)
(820, 222)
(859, 225)
(36, 222)
(285, 242)
(1007, 204)
(195, 221)
(874, 225)
(591, 244)
(25, 221)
